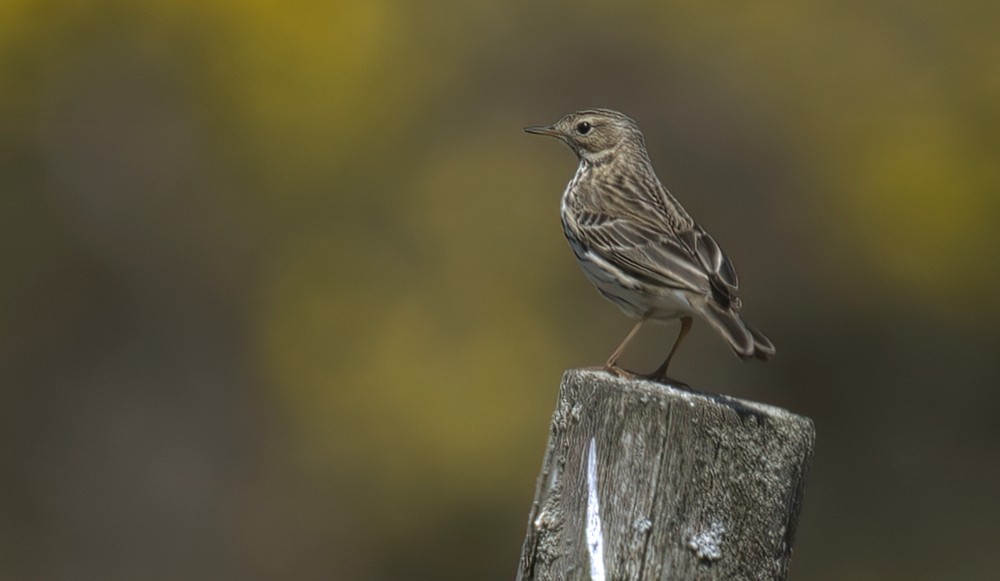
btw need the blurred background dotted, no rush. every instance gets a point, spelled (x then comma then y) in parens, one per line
(284, 292)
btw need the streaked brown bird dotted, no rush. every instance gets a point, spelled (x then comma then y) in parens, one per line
(636, 243)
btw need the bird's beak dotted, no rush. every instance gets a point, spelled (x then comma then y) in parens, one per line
(543, 130)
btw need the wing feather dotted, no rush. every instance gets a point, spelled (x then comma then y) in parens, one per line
(643, 252)
(690, 260)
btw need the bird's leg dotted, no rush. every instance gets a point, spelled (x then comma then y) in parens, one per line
(661, 373)
(610, 365)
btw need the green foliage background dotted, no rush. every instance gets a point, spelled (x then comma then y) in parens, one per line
(284, 293)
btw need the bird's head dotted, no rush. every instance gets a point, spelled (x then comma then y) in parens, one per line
(596, 135)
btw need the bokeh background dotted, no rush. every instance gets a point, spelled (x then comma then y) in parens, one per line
(284, 293)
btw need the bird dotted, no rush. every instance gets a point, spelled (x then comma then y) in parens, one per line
(638, 245)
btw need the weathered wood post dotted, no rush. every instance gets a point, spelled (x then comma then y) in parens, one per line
(643, 481)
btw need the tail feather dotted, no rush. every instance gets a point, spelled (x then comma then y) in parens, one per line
(745, 340)
(763, 348)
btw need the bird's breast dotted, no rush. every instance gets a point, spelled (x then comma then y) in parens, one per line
(569, 195)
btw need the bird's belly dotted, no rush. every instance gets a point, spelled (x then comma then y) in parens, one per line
(634, 297)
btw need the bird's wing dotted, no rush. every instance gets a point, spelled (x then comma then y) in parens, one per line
(711, 257)
(722, 274)
(643, 252)
(690, 260)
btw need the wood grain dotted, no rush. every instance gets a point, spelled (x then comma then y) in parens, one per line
(682, 485)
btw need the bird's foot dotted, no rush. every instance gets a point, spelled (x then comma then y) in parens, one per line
(660, 378)
(656, 376)
(620, 372)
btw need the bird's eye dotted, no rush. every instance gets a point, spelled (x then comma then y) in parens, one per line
(583, 128)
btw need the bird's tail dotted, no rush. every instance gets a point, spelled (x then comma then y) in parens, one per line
(745, 340)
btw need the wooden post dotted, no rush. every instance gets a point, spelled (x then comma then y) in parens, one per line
(643, 481)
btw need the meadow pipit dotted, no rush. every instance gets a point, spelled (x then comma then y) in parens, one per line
(637, 244)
